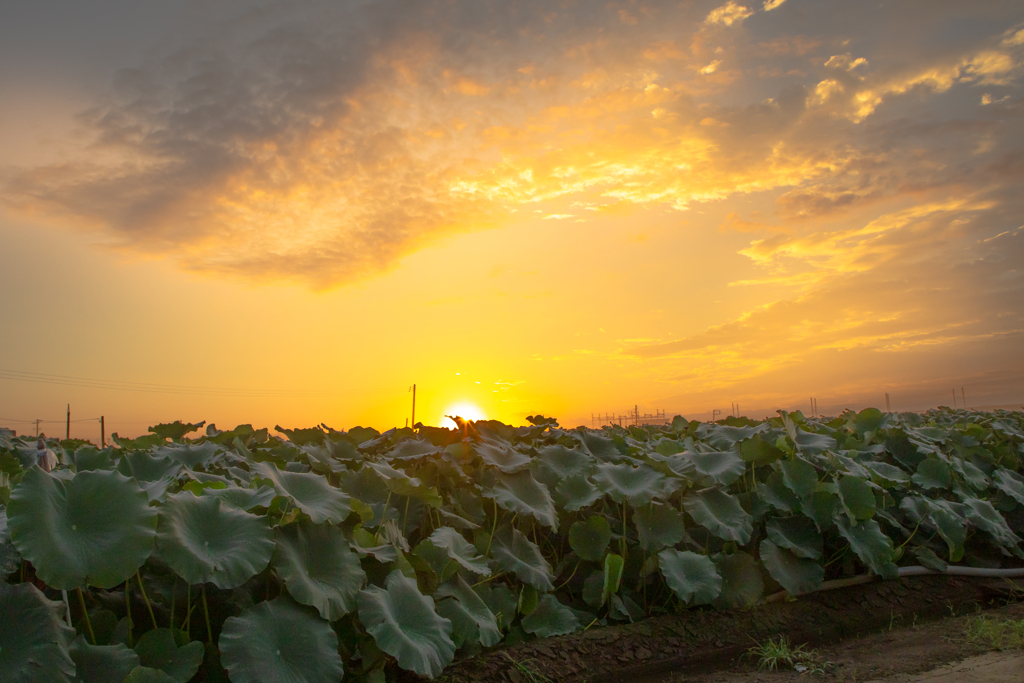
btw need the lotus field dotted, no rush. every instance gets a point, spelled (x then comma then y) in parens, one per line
(238, 555)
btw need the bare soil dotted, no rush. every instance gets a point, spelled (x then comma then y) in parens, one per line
(876, 631)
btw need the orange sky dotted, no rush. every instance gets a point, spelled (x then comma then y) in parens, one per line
(289, 213)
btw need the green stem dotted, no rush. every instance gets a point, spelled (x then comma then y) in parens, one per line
(138, 577)
(206, 612)
(489, 578)
(128, 608)
(405, 517)
(188, 612)
(494, 525)
(85, 614)
(912, 534)
(570, 577)
(623, 526)
(383, 516)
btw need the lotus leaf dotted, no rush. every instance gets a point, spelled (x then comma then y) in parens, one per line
(145, 674)
(716, 467)
(927, 557)
(550, 618)
(311, 493)
(944, 517)
(34, 639)
(322, 460)
(638, 485)
(502, 456)
(820, 506)
(982, 515)
(721, 514)
(799, 476)
(886, 475)
(564, 462)
(459, 549)
(1010, 483)
(690, 576)
(724, 437)
(89, 458)
(742, 585)
(874, 548)
(974, 477)
(775, 492)
(10, 559)
(205, 541)
(522, 493)
(158, 650)
(500, 601)
(932, 473)
(590, 539)
(95, 529)
(797, 534)
(318, 567)
(471, 620)
(410, 449)
(244, 499)
(603, 449)
(868, 422)
(613, 566)
(576, 492)
(280, 640)
(189, 455)
(517, 554)
(796, 574)
(811, 443)
(102, 663)
(658, 526)
(857, 498)
(404, 624)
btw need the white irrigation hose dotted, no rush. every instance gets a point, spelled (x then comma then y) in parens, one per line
(916, 570)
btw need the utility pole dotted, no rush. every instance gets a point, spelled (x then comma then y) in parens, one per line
(887, 408)
(636, 414)
(103, 433)
(67, 434)
(37, 426)
(954, 399)
(964, 397)
(413, 406)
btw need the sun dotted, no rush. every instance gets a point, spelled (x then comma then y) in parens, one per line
(465, 410)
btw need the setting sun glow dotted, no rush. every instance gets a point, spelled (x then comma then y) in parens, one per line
(463, 409)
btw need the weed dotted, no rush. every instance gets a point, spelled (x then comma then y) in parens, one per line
(527, 670)
(772, 654)
(1003, 634)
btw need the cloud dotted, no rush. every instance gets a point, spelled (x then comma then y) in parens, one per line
(322, 145)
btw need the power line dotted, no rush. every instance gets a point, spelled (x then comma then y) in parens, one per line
(148, 387)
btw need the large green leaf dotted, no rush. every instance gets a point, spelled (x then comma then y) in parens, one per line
(501, 455)
(886, 475)
(716, 467)
(796, 574)
(550, 618)
(658, 526)
(799, 476)
(982, 515)
(103, 663)
(1010, 483)
(517, 554)
(562, 462)
(95, 529)
(522, 493)
(310, 492)
(471, 619)
(146, 674)
(404, 624)
(144, 466)
(932, 473)
(690, 576)
(189, 455)
(10, 558)
(613, 568)
(158, 650)
(857, 498)
(602, 448)
(590, 538)
(798, 534)
(280, 641)
(775, 492)
(943, 516)
(874, 548)
(501, 602)
(401, 484)
(742, 585)
(576, 492)
(638, 485)
(318, 567)
(244, 499)
(205, 541)
(459, 549)
(721, 514)
(34, 639)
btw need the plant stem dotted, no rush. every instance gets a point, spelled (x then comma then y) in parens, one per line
(138, 577)
(85, 614)
(494, 525)
(489, 578)
(405, 517)
(623, 527)
(383, 516)
(188, 612)
(206, 611)
(128, 607)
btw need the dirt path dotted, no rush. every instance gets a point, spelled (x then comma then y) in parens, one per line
(959, 649)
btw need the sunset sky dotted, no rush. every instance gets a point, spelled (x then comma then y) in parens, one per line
(289, 212)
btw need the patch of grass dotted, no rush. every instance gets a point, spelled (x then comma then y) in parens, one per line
(999, 634)
(775, 654)
(526, 670)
